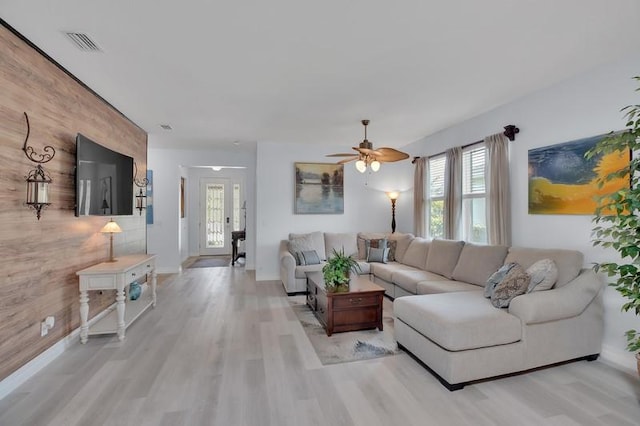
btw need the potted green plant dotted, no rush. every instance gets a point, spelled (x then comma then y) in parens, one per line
(617, 218)
(337, 271)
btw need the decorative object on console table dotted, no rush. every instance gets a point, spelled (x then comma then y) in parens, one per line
(562, 180)
(116, 276)
(616, 220)
(111, 228)
(393, 196)
(319, 188)
(141, 198)
(337, 271)
(38, 179)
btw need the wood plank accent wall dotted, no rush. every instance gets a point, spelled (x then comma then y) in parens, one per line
(39, 259)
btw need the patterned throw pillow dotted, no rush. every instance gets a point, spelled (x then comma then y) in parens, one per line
(544, 274)
(309, 257)
(514, 284)
(379, 243)
(392, 250)
(495, 279)
(300, 244)
(379, 255)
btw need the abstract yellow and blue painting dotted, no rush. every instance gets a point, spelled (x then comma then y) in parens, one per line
(563, 181)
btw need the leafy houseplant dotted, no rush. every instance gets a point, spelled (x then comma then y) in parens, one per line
(337, 270)
(617, 218)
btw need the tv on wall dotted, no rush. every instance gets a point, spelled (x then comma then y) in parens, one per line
(104, 180)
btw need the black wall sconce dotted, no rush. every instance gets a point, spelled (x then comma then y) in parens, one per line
(141, 197)
(38, 179)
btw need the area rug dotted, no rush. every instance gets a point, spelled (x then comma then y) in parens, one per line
(349, 346)
(211, 262)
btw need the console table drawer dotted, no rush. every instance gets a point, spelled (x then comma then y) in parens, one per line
(352, 301)
(100, 282)
(137, 273)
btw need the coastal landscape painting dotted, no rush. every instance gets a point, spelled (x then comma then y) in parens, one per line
(319, 188)
(563, 181)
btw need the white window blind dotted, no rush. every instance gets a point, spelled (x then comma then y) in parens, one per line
(473, 171)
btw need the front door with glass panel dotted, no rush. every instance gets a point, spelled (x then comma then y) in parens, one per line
(216, 202)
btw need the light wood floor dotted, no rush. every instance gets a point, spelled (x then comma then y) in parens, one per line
(221, 349)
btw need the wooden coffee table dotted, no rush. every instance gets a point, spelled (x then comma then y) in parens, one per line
(360, 308)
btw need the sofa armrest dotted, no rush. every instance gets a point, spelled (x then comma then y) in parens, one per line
(287, 266)
(567, 301)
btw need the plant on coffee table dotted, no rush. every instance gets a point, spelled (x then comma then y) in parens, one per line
(337, 271)
(617, 220)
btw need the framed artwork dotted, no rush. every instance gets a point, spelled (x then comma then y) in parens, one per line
(182, 183)
(149, 197)
(319, 188)
(563, 181)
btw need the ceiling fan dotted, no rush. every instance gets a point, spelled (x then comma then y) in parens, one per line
(366, 156)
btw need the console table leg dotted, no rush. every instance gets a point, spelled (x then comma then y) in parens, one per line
(120, 309)
(154, 282)
(84, 316)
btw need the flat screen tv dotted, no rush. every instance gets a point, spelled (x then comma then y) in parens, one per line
(104, 180)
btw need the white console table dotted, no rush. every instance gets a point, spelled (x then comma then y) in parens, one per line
(116, 276)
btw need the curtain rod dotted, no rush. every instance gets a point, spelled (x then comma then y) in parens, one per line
(510, 132)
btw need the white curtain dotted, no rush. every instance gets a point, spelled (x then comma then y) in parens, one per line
(419, 216)
(498, 193)
(453, 193)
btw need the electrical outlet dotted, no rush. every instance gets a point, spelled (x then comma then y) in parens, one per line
(46, 325)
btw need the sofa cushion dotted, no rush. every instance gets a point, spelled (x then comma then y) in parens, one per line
(443, 286)
(301, 270)
(409, 278)
(311, 241)
(402, 244)
(443, 256)
(569, 262)
(544, 274)
(476, 263)
(341, 241)
(513, 284)
(386, 270)
(458, 321)
(416, 254)
(365, 267)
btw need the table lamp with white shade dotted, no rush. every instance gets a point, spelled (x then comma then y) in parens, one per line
(111, 228)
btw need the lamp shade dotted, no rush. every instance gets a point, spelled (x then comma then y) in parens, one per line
(393, 195)
(375, 165)
(111, 227)
(361, 166)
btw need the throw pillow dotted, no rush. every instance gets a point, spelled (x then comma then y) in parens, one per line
(544, 274)
(496, 277)
(308, 257)
(300, 244)
(379, 255)
(379, 243)
(514, 284)
(392, 244)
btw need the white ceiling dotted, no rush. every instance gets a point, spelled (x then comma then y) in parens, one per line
(307, 72)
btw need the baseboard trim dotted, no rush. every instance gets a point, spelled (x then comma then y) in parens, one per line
(24, 373)
(618, 358)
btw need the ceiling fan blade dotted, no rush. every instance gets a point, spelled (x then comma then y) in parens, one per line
(389, 155)
(367, 151)
(340, 155)
(347, 160)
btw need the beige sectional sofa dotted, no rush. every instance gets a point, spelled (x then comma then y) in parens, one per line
(444, 320)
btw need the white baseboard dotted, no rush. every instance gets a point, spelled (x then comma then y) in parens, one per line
(618, 358)
(24, 373)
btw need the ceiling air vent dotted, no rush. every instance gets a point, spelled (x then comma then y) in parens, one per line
(166, 127)
(83, 42)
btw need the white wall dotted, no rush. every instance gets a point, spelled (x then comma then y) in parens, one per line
(366, 206)
(583, 106)
(169, 236)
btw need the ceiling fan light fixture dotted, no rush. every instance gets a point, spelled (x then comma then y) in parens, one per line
(361, 166)
(375, 165)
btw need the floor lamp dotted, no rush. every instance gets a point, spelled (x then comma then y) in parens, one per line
(393, 196)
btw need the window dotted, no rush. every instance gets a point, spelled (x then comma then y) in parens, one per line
(474, 196)
(435, 197)
(236, 206)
